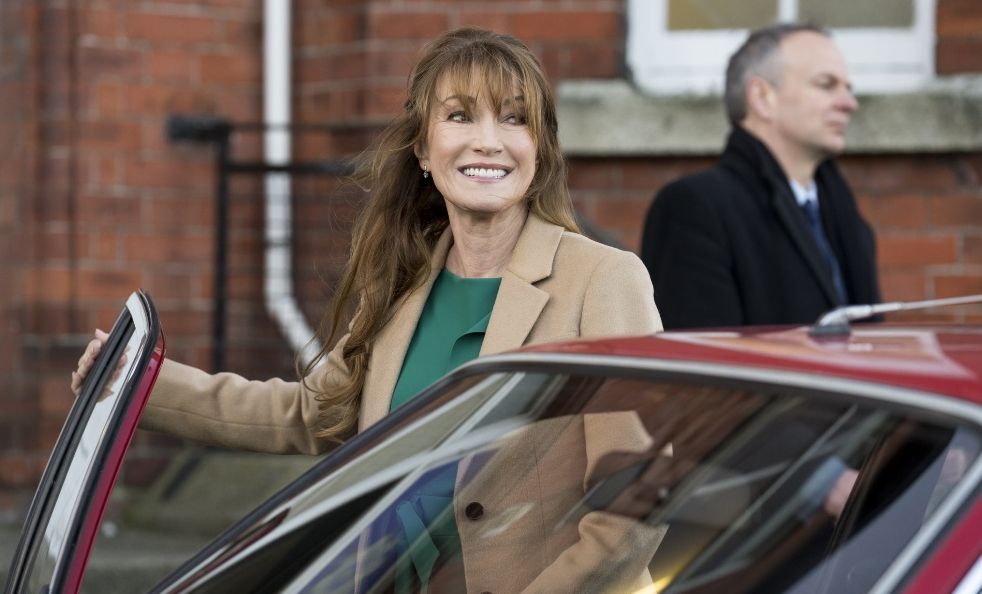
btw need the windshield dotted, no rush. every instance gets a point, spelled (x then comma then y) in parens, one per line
(593, 481)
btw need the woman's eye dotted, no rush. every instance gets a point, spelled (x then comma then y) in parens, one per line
(457, 116)
(516, 119)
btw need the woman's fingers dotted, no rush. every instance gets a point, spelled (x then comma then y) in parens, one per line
(88, 357)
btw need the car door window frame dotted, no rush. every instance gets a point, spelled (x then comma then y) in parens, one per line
(100, 470)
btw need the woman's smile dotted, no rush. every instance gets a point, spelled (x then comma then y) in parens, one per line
(484, 172)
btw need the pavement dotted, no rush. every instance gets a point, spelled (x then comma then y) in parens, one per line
(130, 562)
(147, 534)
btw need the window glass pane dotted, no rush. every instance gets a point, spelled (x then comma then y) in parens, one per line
(760, 491)
(719, 14)
(171, 499)
(71, 497)
(845, 14)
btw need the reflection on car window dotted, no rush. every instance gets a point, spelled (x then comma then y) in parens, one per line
(561, 482)
(396, 456)
(328, 506)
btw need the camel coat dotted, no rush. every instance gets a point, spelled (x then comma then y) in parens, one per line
(558, 285)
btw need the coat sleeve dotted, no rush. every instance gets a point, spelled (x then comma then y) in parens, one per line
(619, 300)
(685, 247)
(228, 410)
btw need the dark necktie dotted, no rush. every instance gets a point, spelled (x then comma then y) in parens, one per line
(810, 208)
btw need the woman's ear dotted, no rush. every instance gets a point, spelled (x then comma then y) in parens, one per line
(424, 163)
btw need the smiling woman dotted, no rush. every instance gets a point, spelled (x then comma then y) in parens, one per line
(466, 246)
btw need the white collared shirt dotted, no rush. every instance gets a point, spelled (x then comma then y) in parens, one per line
(804, 194)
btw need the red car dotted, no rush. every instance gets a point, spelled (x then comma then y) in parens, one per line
(768, 460)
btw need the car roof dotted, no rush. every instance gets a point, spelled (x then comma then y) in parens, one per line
(935, 358)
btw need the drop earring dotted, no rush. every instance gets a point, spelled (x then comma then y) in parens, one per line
(426, 172)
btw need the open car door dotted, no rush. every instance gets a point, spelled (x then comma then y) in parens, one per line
(64, 516)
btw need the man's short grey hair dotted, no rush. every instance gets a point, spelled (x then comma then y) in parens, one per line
(758, 56)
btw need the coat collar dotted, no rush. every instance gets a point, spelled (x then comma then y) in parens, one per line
(516, 309)
(752, 159)
(519, 301)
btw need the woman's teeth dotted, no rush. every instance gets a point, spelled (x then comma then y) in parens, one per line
(487, 173)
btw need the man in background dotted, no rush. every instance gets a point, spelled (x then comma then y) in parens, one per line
(771, 234)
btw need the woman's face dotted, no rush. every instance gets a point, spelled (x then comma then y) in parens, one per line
(482, 162)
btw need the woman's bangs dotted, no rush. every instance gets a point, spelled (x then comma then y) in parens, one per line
(493, 81)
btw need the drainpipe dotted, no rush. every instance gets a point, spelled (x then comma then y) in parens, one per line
(278, 280)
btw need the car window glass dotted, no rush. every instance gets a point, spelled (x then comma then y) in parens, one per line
(56, 532)
(604, 484)
(399, 454)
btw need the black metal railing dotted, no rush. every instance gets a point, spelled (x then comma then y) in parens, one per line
(218, 132)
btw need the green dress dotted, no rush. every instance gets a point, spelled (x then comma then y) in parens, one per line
(449, 332)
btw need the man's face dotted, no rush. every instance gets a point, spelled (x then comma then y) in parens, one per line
(813, 99)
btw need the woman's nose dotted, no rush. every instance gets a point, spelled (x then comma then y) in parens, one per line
(487, 137)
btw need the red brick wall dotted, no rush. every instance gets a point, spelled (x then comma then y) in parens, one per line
(959, 30)
(926, 210)
(95, 201)
(18, 127)
(353, 57)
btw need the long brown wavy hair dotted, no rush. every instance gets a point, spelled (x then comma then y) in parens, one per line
(396, 230)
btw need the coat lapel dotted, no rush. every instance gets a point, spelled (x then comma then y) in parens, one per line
(516, 309)
(751, 159)
(850, 235)
(795, 224)
(393, 342)
(519, 303)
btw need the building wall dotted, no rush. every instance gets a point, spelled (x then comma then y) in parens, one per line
(18, 405)
(354, 58)
(95, 201)
(959, 31)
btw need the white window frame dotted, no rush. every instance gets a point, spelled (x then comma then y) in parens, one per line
(667, 62)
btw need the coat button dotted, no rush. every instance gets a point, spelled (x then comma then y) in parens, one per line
(474, 511)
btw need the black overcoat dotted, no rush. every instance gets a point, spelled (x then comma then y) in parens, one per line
(730, 246)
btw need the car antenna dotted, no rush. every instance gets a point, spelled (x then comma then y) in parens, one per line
(836, 322)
